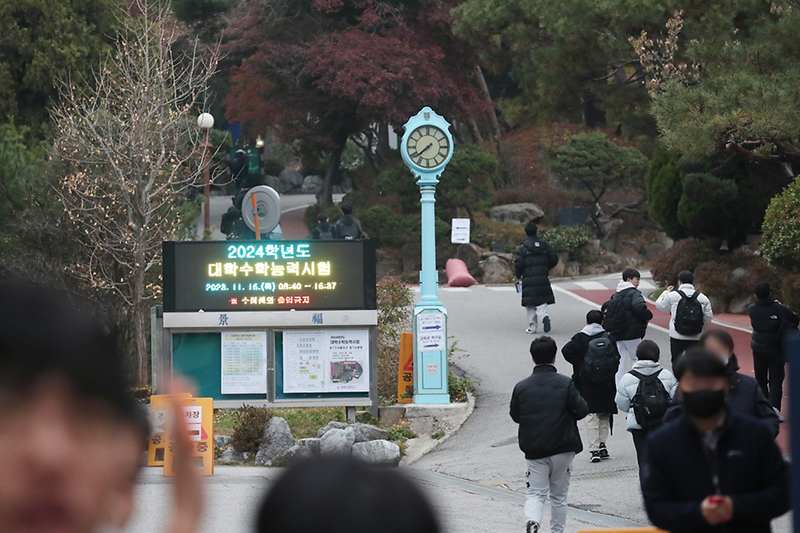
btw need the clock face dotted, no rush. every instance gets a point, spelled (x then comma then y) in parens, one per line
(428, 146)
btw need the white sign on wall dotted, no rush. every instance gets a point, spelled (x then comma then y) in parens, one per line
(459, 231)
(430, 328)
(244, 362)
(326, 360)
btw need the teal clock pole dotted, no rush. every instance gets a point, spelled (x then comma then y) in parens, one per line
(427, 147)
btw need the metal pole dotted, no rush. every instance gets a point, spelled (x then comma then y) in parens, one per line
(206, 186)
(429, 276)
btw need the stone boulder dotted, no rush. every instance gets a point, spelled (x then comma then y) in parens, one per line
(332, 425)
(496, 270)
(653, 250)
(231, 456)
(739, 304)
(294, 455)
(338, 442)
(377, 452)
(311, 185)
(277, 440)
(516, 213)
(274, 182)
(558, 270)
(572, 269)
(222, 441)
(367, 432)
(291, 178)
(312, 444)
(471, 254)
(587, 253)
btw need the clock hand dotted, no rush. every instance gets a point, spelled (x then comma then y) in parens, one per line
(424, 149)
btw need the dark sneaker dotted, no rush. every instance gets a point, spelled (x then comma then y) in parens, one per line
(546, 323)
(595, 458)
(532, 527)
(604, 451)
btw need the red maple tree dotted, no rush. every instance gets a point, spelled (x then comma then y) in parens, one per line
(324, 70)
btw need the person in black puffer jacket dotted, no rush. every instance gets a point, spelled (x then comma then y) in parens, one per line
(771, 320)
(532, 264)
(547, 407)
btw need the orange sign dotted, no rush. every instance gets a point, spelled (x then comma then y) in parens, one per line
(198, 413)
(405, 376)
(159, 403)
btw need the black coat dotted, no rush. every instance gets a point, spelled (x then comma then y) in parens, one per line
(547, 407)
(599, 396)
(770, 321)
(637, 314)
(532, 263)
(745, 397)
(678, 475)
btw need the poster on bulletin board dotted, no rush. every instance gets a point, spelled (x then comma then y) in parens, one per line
(326, 361)
(244, 362)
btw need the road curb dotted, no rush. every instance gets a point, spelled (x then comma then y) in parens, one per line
(417, 448)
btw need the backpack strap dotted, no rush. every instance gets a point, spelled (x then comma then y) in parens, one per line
(638, 375)
(694, 295)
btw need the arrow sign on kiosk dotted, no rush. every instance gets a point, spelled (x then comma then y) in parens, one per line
(431, 331)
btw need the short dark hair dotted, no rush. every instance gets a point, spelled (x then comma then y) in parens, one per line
(322, 217)
(648, 350)
(720, 335)
(347, 209)
(531, 229)
(47, 332)
(700, 362)
(594, 317)
(342, 495)
(630, 273)
(543, 350)
(762, 291)
(686, 277)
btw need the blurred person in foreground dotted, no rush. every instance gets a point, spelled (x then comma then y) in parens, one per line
(712, 469)
(342, 495)
(71, 438)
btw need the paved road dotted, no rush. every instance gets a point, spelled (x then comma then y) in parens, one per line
(476, 477)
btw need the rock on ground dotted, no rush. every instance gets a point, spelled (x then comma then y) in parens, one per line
(222, 441)
(471, 254)
(332, 425)
(367, 432)
(291, 178)
(311, 185)
(338, 442)
(231, 456)
(377, 452)
(496, 270)
(277, 440)
(275, 183)
(312, 444)
(295, 454)
(516, 213)
(653, 250)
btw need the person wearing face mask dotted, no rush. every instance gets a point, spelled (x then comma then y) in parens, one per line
(745, 396)
(712, 469)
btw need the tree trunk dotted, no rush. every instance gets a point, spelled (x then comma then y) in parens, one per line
(325, 195)
(475, 131)
(139, 316)
(496, 131)
(383, 151)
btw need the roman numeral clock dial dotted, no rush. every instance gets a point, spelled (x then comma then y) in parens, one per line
(428, 146)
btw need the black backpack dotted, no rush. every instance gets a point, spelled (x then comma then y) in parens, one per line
(615, 316)
(689, 318)
(601, 361)
(651, 401)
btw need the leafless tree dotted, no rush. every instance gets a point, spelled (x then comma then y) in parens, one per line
(131, 151)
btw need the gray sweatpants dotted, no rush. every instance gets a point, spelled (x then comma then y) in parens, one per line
(549, 475)
(536, 314)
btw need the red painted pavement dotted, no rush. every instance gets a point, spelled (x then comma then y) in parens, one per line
(741, 340)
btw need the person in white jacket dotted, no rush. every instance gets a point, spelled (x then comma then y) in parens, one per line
(680, 341)
(647, 354)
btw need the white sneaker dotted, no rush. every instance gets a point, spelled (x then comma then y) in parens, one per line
(531, 331)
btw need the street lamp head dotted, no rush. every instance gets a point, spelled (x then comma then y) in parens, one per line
(205, 121)
(259, 142)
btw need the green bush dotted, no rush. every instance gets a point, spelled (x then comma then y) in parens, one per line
(685, 254)
(395, 310)
(664, 190)
(781, 242)
(310, 216)
(248, 433)
(391, 229)
(458, 387)
(567, 238)
(466, 183)
(272, 167)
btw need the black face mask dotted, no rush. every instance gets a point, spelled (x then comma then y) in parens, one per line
(704, 403)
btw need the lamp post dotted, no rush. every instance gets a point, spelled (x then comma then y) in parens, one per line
(206, 122)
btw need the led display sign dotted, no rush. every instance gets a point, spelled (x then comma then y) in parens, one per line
(268, 275)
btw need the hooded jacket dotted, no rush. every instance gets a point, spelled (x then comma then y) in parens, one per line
(745, 396)
(669, 300)
(627, 386)
(547, 407)
(770, 321)
(636, 311)
(532, 263)
(599, 396)
(349, 227)
(679, 473)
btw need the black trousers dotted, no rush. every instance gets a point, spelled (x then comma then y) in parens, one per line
(678, 346)
(770, 372)
(639, 438)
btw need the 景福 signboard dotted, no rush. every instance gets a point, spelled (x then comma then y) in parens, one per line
(268, 275)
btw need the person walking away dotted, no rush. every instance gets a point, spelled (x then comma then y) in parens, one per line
(325, 231)
(532, 264)
(625, 317)
(594, 358)
(547, 407)
(645, 393)
(349, 227)
(744, 395)
(690, 312)
(771, 320)
(713, 469)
